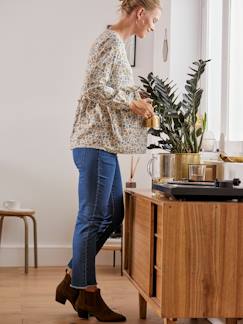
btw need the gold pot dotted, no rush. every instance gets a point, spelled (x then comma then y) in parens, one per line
(152, 122)
(182, 160)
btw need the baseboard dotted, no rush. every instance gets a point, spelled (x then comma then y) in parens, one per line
(49, 255)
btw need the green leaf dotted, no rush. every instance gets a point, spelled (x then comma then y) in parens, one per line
(199, 132)
(178, 117)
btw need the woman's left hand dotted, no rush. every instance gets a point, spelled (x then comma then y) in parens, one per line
(142, 107)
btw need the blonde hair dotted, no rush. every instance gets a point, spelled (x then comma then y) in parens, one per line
(129, 5)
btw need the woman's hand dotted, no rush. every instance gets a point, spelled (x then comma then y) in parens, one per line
(142, 107)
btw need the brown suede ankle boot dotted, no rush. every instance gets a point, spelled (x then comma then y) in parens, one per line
(92, 302)
(65, 292)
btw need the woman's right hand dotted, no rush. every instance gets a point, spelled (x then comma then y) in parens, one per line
(142, 107)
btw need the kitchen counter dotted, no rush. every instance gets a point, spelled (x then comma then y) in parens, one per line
(184, 257)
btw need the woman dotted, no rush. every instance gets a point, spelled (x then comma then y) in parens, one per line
(108, 121)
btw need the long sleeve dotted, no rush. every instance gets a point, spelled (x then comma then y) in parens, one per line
(103, 118)
(102, 80)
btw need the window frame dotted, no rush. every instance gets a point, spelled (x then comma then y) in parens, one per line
(225, 70)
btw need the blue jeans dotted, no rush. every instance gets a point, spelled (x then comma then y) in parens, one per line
(101, 210)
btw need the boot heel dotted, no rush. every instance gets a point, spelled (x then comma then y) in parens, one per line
(61, 299)
(83, 314)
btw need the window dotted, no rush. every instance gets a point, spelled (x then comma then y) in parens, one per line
(236, 72)
(224, 45)
(214, 49)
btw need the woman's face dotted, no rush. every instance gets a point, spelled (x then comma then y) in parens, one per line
(146, 20)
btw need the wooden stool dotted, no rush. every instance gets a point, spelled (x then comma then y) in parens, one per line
(114, 245)
(23, 214)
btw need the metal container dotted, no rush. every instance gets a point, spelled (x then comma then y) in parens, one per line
(164, 167)
(161, 167)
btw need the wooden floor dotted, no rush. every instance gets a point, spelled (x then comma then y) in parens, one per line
(30, 299)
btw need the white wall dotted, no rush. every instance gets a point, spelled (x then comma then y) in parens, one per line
(44, 48)
(182, 19)
(185, 37)
(161, 67)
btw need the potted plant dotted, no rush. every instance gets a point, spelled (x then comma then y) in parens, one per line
(181, 127)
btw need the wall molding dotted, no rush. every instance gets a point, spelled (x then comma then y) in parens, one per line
(48, 255)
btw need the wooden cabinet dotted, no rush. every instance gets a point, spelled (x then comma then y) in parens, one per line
(185, 258)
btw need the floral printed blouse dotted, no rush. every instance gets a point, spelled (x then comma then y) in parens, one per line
(103, 118)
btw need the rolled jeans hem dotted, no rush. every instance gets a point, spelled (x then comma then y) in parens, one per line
(76, 287)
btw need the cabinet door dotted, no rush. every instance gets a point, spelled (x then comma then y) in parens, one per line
(142, 245)
(202, 260)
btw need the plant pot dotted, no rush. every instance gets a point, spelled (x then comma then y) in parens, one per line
(182, 160)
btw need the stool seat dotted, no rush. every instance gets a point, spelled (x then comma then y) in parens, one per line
(22, 214)
(16, 212)
(112, 246)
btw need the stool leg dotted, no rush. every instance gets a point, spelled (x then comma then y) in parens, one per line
(1, 227)
(35, 239)
(121, 264)
(122, 253)
(26, 244)
(114, 258)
